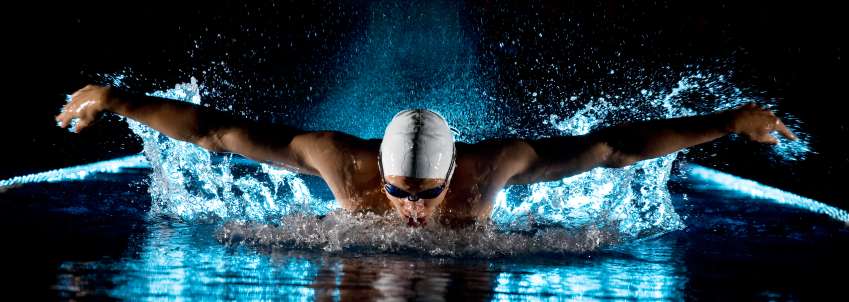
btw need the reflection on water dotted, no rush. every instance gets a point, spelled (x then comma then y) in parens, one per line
(734, 247)
(647, 270)
(174, 261)
(737, 244)
(424, 55)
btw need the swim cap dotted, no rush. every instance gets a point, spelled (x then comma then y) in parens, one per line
(417, 143)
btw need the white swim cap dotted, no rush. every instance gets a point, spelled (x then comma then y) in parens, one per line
(417, 143)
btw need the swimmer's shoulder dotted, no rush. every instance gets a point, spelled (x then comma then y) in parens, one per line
(489, 154)
(490, 164)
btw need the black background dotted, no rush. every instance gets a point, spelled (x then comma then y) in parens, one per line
(791, 52)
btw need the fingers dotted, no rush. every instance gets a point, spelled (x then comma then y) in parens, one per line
(83, 105)
(59, 122)
(73, 110)
(777, 125)
(781, 128)
(82, 108)
(762, 122)
(81, 125)
(64, 119)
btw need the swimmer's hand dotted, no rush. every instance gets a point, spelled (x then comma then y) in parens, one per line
(85, 105)
(757, 124)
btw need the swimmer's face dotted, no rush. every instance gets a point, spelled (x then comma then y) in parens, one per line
(415, 212)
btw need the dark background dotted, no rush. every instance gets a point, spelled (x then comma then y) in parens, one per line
(790, 52)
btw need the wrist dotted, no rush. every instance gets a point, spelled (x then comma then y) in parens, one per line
(115, 100)
(726, 121)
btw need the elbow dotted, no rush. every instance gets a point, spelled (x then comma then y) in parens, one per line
(620, 161)
(611, 151)
(607, 152)
(211, 141)
(614, 158)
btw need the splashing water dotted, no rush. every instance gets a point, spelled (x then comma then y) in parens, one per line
(425, 57)
(191, 183)
(578, 213)
(369, 233)
(417, 55)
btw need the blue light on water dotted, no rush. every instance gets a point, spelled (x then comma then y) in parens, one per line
(759, 191)
(191, 183)
(654, 281)
(175, 262)
(80, 172)
(178, 265)
(654, 276)
(377, 78)
(723, 181)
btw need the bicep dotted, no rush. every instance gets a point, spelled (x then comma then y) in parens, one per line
(554, 158)
(293, 149)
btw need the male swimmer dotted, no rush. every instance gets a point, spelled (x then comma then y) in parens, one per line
(417, 169)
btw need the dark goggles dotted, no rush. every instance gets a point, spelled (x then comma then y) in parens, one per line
(426, 194)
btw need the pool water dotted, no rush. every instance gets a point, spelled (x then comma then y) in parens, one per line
(178, 223)
(95, 239)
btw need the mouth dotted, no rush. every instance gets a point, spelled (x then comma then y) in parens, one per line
(416, 222)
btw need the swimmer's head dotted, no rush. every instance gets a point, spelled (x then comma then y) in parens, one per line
(417, 162)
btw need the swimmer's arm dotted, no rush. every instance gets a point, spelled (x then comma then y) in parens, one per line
(619, 146)
(295, 149)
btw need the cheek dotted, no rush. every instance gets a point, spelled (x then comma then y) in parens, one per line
(395, 202)
(433, 204)
(389, 197)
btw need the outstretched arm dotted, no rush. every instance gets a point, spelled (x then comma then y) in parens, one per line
(216, 131)
(558, 157)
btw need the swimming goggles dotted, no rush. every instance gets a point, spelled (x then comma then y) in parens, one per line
(426, 194)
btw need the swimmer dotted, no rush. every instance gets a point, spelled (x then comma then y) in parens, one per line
(417, 169)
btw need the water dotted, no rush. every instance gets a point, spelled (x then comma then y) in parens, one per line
(427, 55)
(579, 213)
(180, 223)
(102, 243)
